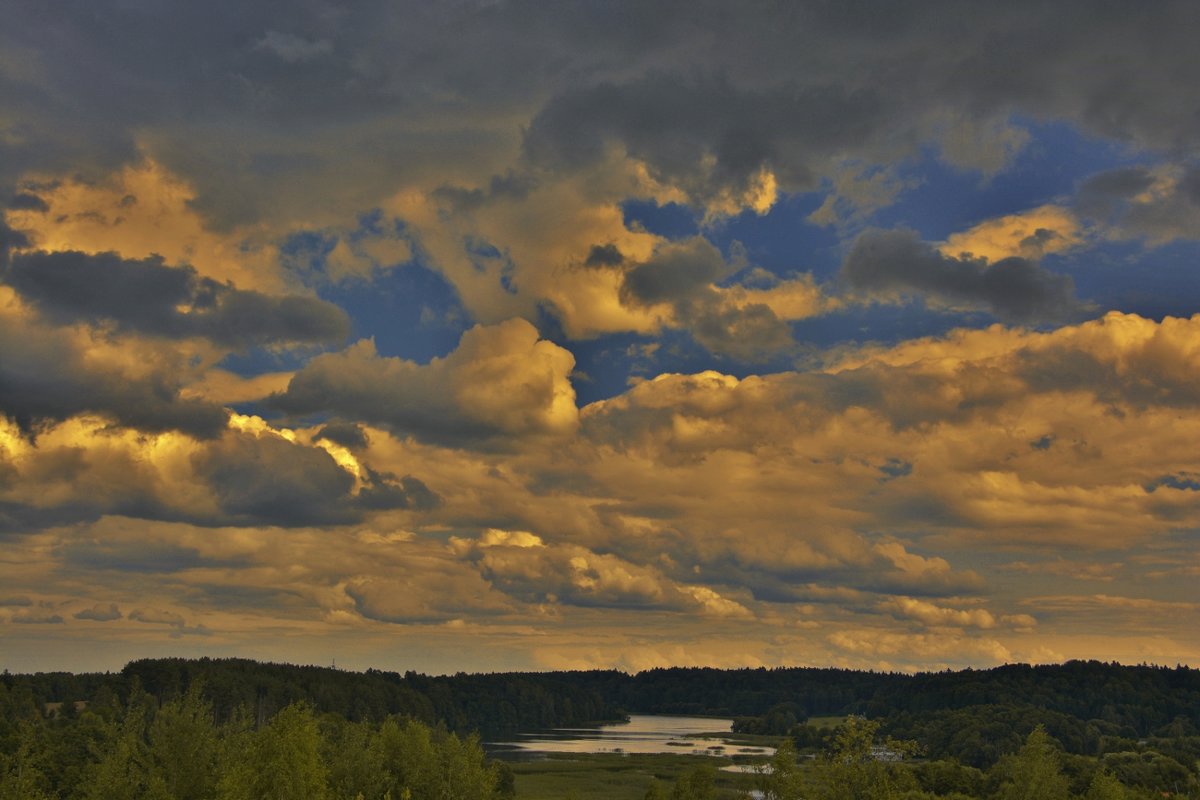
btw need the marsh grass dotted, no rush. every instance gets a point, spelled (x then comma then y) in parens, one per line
(610, 776)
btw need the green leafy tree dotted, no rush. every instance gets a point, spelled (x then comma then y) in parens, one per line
(1105, 786)
(356, 768)
(20, 775)
(856, 768)
(281, 761)
(409, 758)
(1035, 772)
(656, 791)
(698, 783)
(781, 779)
(121, 771)
(466, 774)
(183, 747)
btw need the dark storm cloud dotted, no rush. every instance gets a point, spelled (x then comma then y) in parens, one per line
(9, 240)
(1098, 193)
(674, 123)
(347, 434)
(683, 274)
(1137, 202)
(674, 272)
(750, 333)
(510, 185)
(24, 201)
(604, 255)
(855, 79)
(899, 263)
(147, 296)
(45, 376)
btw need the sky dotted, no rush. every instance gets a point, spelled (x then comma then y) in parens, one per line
(482, 335)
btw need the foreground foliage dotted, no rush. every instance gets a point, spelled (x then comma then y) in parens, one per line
(176, 751)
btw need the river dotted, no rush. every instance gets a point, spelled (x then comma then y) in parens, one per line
(643, 733)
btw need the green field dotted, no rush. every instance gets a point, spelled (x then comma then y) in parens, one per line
(826, 722)
(609, 776)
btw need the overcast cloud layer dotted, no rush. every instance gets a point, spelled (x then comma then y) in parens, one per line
(506, 335)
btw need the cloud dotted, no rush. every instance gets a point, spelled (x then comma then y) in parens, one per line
(894, 647)
(844, 507)
(51, 374)
(293, 49)
(31, 617)
(267, 479)
(431, 591)
(676, 271)
(933, 615)
(171, 619)
(27, 201)
(347, 434)
(684, 281)
(523, 566)
(251, 475)
(100, 613)
(1159, 204)
(723, 145)
(143, 211)
(1029, 235)
(502, 382)
(151, 298)
(1098, 603)
(1067, 569)
(896, 263)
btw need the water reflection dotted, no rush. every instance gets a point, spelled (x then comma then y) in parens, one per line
(643, 734)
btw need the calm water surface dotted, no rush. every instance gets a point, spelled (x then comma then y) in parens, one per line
(644, 733)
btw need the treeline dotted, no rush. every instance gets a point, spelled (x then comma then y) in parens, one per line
(1124, 701)
(146, 750)
(495, 704)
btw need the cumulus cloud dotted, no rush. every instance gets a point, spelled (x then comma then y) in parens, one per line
(250, 475)
(525, 567)
(502, 381)
(897, 263)
(845, 509)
